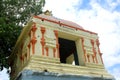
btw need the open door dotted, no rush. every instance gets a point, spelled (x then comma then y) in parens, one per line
(68, 52)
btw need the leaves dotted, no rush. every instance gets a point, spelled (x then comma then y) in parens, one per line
(13, 15)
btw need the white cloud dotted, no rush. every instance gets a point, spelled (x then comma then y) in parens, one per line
(61, 8)
(113, 3)
(116, 73)
(4, 75)
(111, 60)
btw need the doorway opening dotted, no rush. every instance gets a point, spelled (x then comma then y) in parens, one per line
(68, 52)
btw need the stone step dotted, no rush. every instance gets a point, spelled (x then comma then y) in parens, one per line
(41, 65)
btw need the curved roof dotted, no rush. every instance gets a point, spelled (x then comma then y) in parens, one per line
(62, 22)
(59, 21)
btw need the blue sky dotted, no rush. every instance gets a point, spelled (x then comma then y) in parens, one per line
(100, 16)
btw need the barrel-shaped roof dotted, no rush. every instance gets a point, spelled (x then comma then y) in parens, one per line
(61, 22)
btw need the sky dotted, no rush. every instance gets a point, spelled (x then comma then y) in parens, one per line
(4, 75)
(100, 16)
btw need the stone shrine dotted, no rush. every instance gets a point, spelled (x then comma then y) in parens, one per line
(50, 48)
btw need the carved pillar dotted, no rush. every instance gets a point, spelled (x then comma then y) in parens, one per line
(42, 39)
(92, 42)
(46, 48)
(88, 57)
(29, 44)
(57, 43)
(33, 40)
(83, 48)
(97, 42)
(34, 29)
(54, 51)
(93, 58)
(26, 56)
(101, 57)
(22, 59)
(29, 49)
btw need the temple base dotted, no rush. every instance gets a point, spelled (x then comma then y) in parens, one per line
(40, 69)
(36, 75)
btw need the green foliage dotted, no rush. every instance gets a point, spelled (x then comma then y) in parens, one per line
(13, 15)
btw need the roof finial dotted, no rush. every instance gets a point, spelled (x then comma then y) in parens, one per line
(47, 12)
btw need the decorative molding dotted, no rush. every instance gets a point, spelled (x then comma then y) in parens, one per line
(97, 42)
(93, 58)
(22, 59)
(92, 42)
(101, 58)
(88, 49)
(29, 46)
(42, 39)
(33, 41)
(88, 57)
(62, 24)
(46, 48)
(50, 41)
(54, 52)
(82, 39)
(34, 28)
(90, 69)
(57, 43)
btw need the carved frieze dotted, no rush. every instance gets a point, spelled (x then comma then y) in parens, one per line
(88, 46)
(88, 49)
(50, 40)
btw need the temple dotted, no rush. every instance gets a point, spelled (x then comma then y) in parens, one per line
(50, 48)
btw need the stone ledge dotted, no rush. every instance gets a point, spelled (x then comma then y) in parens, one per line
(94, 65)
(66, 68)
(45, 59)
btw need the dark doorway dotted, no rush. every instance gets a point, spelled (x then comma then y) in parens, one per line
(68, 52)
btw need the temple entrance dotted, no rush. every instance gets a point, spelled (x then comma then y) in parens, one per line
(68, 52)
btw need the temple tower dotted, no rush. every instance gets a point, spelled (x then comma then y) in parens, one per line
(50, 48)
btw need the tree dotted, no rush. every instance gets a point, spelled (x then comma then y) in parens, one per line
(13, 15)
